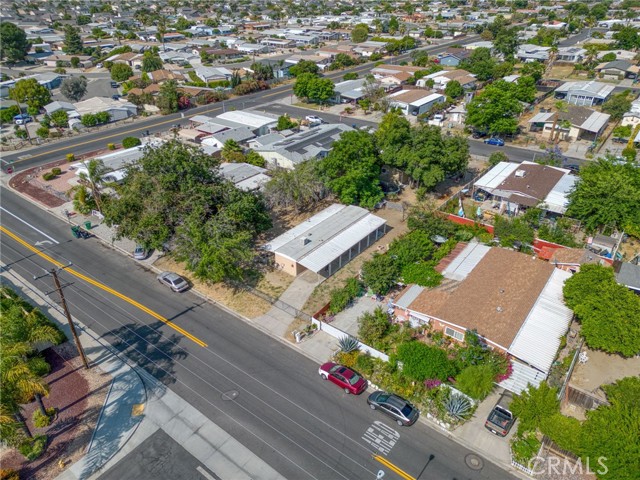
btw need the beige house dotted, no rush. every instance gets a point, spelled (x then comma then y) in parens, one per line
(327, 241)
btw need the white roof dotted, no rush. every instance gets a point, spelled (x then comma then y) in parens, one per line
(595, 122)
(409, 296)
(254, 183)
(498, 174)
(428, 99)
(466, 261)
(538, 340)
(329, 251)
(298, 230)
(557, 200)
(250, 119)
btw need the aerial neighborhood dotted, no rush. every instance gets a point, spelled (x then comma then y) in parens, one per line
(208, 208)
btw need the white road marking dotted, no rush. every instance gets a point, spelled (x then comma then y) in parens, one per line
(205, 474)
(381, 437)
(29, 225)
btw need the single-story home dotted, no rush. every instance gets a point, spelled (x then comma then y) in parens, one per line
(307, 144)
(532, 53)
(259, 123)
(86, 61)
(443, 77)
(327, 241)
(517, 186)
(632, 117)
(48, 80)
(245, 176)
(617, 70)
(415, 102)
(577, 123)
(278, 42)
(117, 109)
(115, 163)
(512, 300)
(570, 54)
(238, 134)
(452, 57)
(586, 93)
(213, 74)
(628, 274)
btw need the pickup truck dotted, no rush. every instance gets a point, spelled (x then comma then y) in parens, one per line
(501, 419)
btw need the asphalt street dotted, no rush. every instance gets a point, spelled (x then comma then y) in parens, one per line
(265, 394)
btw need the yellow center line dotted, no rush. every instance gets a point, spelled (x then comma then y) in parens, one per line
(393, 468)
(101, 286)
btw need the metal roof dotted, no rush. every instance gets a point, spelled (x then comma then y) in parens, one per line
(466, 261)
(628, 275)
(409, 296)
(494, 177)
(250, 119)
(298, 230)
(595, 122)
(597, 89)
(557, 199)
(341, 243)
(538, 340)
(521, 377)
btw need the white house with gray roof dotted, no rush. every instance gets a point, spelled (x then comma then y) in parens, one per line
(585, 93)
(327, 241)
(313, 143)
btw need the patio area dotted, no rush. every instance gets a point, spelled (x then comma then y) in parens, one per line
(347, 320)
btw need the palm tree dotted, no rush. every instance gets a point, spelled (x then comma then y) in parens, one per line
(561, 106)
(92, 179)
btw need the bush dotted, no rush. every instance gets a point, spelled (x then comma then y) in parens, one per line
(9, 474)
(476, 381)
(422, 274)
(42, 132)
(380, 273)
(32, 448)
(372, 327)
(40, 420)
(348, 359)
(365, 364)
(130, 142)
(525, 447)
(71, 157)
(564, 431)
(423, 361)
(48, 176)
(56, 171)
(111, 146)
(535, 404)
(342, 297)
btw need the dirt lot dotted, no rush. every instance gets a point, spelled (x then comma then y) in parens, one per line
(272, 283)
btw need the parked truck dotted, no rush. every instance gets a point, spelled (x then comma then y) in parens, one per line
(501, 419)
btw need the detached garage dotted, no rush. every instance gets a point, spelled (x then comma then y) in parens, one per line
(327, 241)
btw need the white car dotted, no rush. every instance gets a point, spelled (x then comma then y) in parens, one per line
(313, 120)
(174, 281)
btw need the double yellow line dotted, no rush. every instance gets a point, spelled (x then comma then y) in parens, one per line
(393, 468)
(103, 287)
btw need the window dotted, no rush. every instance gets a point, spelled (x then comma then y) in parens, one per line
(453, 333)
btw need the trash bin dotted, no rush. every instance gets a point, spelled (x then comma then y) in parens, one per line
(87, 225)
(76, 231)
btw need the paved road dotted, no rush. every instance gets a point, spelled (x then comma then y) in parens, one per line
(262, 392)
(98, 140)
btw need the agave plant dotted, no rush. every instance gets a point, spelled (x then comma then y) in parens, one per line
(457, 406)
(348, 344)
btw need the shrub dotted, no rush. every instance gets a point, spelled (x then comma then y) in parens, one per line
(71, 157)
(111, 146)
(32, 448)
(423, 361)
(458, 406)
(56, 171)
(9, 474)
(564, 431)
(524, 447)
(48, 176)
(40, 420)
(365, 364)
(348, 359)
(476, 381)
(341, 297)
(535, 404)
(422, 274)
(348, 344)
(42, 132)
(130, 142)
(372, 327)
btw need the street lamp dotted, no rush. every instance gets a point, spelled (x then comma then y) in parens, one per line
(54, 273)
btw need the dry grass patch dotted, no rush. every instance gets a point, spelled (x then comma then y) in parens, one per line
(242, 302)
(274, 283)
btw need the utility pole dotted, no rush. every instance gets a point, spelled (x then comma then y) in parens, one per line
(54, 273)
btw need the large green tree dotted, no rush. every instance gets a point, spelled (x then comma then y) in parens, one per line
(352, 169)
(534, 405)
(617, 105)
(74, 88)
(360, 33)
(167, 99)
(300, 188)
(14, 45)
(121, 72)
(611, 432)
(29, 91)
(607, 194)
(609, 312)
(304, 66)
(72, 40)
(175, 196)
(151, 62)
(494, 110)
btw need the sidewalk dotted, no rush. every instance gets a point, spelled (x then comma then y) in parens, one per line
(138, 406)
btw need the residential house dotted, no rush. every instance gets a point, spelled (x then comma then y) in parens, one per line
(86, 61)
(617, 70)
(259, 123)
(452, 57)
(278, 42)
(224, 53)
(513, 301)
(585, 93)
(570, 54)
(443, 77)
(245, 176)
(213, 74)
(627, 274)
(513, 187)
(303, 40)
(115, 163)
(349, 91)
(238, 134)
(554, 25)
(59, 105)
(252, 48)
(307, 144)
(394, 74)
(327, 241)
(48, 80)
(366, 49)
(117, 109)
(577, 123)
(479, 44)
(632, 117)
(126, 58)
(415, 102)
(532, 53)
